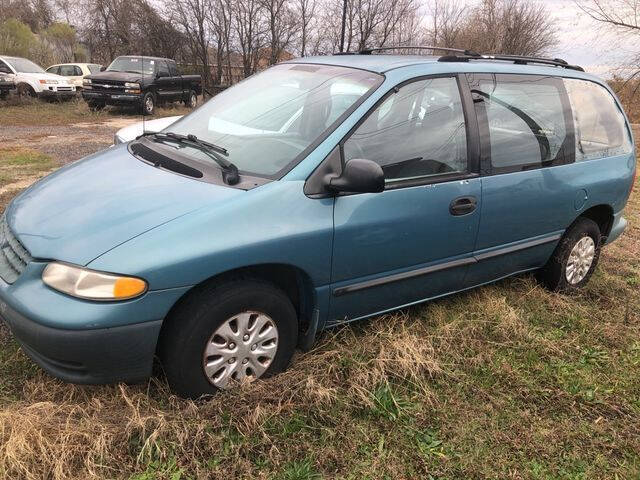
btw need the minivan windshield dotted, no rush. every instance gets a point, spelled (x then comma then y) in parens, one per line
(22, 65)
(266, 121)
(133, 65)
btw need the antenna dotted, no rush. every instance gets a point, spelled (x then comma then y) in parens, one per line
(141, 90)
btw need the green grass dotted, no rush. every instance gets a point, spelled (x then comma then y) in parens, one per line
(508, 381)
(22, 163)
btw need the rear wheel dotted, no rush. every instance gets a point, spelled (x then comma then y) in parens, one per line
(226, 334)
(192, 101)
(575, 258)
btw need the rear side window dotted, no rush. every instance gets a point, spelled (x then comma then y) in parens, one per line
(601, 130)
(173, 69)
(528, 120)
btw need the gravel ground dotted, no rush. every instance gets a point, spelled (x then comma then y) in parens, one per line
(64, 143)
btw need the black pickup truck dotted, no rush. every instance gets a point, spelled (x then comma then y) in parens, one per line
(6, 85)
(141, 81)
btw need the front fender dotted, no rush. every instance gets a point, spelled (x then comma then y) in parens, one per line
(275, 223)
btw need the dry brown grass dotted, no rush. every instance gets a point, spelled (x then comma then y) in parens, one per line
(506, 381)
(32, 112)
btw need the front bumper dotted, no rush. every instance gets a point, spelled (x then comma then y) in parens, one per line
(112, 98)
(104, 355)
(57, 94)
(81, 341)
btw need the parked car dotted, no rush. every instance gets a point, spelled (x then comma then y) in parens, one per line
(131, 132)
(7, 84)
(386, 181)
(143, 82)
(75, 72)
(31, 79)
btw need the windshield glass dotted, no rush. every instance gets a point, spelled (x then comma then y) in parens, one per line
(266, 121)
(133, 65)
(22, 65)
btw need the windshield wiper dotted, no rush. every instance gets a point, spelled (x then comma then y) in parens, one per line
(230, 173)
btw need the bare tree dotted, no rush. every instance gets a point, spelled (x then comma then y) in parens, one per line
(623, 18)
(448, 20)
(307, 14)
(509, 26)
(193, 18)
(249, 29)
(282, 27)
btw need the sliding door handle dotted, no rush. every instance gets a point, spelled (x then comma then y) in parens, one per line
(463, 205)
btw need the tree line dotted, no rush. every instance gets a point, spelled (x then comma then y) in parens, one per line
(226, 40)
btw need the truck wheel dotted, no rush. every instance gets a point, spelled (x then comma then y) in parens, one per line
(95, 106)
(227, 333)
(192, 102)
(148, 104)
(575, 258)
(24, 90)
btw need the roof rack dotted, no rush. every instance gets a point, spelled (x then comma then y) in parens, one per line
(369, 51)
(516, 59)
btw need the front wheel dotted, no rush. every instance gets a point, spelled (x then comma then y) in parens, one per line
(95, 106)
(148, 104)
(574, 259)
(225, 334)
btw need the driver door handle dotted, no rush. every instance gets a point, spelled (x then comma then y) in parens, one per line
(463, 205)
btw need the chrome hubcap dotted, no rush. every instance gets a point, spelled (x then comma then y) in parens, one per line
(194, 100)
(241, 349)
(580, 260)
(148, 104)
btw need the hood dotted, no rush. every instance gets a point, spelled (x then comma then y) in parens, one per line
(96, 204)
(129, 133)
(118, 76)
(44, 76)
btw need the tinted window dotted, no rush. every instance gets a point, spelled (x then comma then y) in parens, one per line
(162, 68)
(68, 71)
(173, 69)
(528, 120)
(54, 70)
(600, 126)
(416, 132)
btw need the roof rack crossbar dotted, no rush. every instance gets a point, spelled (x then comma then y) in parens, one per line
(517, 59)
(369, 51)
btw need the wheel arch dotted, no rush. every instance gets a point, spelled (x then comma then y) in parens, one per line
(292, 280)
(601, 214)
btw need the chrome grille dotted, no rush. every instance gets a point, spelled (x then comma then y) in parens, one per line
(13, 256)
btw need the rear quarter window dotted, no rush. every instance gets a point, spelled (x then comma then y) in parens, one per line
(600, 127)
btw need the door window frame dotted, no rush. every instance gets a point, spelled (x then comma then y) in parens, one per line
(480, 112)
(471, 131)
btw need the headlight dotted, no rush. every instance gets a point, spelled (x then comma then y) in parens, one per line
(90, 284)
(131, 85)
(49, 82)
(86, 81)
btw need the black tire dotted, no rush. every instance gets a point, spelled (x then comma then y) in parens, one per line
(187, 331)
(95, 106)
(148, 105)
(192, 100)
(554, 274)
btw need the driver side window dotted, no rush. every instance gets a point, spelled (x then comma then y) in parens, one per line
(418, 131)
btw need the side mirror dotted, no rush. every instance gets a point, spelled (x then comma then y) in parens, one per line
(358, 176)
(103, 68)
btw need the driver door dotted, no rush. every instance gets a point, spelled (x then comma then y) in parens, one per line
(414, 240)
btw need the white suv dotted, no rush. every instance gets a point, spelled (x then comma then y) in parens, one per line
(32, 80)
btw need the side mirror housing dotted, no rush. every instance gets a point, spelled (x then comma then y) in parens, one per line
(103, 68)
(358, 176)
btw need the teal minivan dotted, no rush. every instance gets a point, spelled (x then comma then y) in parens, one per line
(318, 192)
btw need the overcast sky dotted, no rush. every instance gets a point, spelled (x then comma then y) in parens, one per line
(584, 42)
